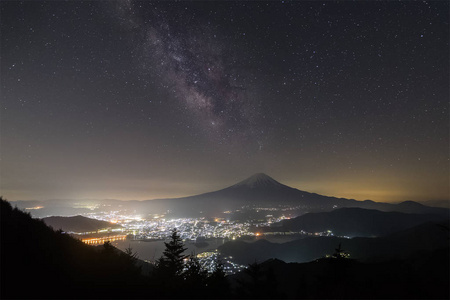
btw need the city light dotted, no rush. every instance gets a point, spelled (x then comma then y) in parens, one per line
(102, 240)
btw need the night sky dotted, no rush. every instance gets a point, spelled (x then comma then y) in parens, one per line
(143, 100)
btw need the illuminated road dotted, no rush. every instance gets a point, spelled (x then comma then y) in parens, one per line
(95, 241)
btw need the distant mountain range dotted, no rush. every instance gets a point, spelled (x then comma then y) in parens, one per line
(78, 224)
(355, 221)
(428, 236)
(258, 190)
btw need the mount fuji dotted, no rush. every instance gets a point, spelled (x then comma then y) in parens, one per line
(257, 191)
(261, 190)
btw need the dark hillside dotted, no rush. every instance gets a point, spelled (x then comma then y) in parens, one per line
(37, 262)
(356, 222)
(78, 224)
(428, 236)
(423, 276)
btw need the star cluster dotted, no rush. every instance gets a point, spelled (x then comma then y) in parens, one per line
(146, 99)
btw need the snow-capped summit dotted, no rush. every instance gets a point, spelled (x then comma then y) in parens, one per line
(258, 180)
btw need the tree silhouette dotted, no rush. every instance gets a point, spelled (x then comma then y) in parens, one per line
(108, 248)
(261, 283)
(172, 259)
(218, 285)
(194, 271)
(132, 256)
(340, 253)
(168, 274)
(253, 287)
(195, 277)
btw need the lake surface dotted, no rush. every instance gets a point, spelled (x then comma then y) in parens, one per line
(152, 250)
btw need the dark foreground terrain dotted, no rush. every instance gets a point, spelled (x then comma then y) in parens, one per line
(423, 276)
(38, 262)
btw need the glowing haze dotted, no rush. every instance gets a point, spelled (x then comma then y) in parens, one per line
(142, 100)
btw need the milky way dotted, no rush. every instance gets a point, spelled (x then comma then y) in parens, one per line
(199, 69)
(150, 99)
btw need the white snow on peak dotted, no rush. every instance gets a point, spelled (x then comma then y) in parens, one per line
(258, 180)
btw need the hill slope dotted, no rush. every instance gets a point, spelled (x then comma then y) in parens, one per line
(354, 222)
(78, 224)
(425, 275)
(427, 236)
(37, 262)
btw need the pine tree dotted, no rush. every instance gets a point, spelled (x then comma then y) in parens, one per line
(130, 255)
(168, 273)
(172, 259)
(108, 249)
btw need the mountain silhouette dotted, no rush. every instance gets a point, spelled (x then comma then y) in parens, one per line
(428, 236)
(264, 191)
(424, 275)
(259, 190)
(259, 180)
(78, 224)
(355, 221)
(40, 263)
